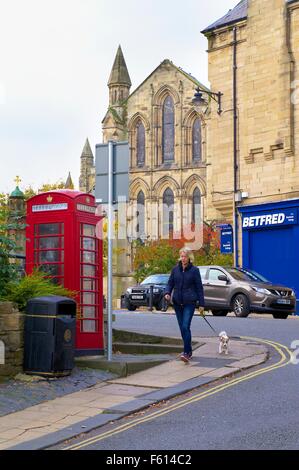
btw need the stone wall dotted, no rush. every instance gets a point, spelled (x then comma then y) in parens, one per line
(267, 77)
(12, 335)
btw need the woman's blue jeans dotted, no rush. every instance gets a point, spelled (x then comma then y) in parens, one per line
(184, 314)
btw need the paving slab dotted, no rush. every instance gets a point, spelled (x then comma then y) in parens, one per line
(223, 372)
(250, 361)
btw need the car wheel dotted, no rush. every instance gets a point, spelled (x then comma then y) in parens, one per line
(219, 313)
(282, 316)
(241, 306)
(131, 307)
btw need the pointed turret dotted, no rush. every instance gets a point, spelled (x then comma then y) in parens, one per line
(119, 83)
(69, 182)
(87, 168)
(119, 73)
(87, 152)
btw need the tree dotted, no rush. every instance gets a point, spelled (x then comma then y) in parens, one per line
(8, 271)
(3, 207)
(154, 257)
(30, 192)
(160, 256)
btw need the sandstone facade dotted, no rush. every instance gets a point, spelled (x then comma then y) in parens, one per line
(183, 175)
(267, 79)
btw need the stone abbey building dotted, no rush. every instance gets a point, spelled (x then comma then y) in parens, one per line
(167, 140)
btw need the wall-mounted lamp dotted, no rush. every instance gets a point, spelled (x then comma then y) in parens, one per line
(200, 103)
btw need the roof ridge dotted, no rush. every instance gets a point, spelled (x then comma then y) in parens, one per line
(234, 15)
(186, 74)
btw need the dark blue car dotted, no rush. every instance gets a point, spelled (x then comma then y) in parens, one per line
(139, 295)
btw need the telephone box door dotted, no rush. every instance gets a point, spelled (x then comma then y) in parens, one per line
(90, 324)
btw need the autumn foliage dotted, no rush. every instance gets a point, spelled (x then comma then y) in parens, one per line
(160, 256)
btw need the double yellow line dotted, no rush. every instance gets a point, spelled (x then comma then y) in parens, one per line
(282, 350)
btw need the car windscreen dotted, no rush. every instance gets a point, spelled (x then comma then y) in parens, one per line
(246, 275)
(156, 279)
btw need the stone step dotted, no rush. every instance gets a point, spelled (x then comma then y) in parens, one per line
(122, 365)
(132, 337)
(146, 348)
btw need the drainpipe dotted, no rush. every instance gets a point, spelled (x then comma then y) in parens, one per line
(292, 77)
(235, 118)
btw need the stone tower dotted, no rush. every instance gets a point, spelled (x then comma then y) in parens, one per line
(119, 83)
(17, 219)
(86, 180)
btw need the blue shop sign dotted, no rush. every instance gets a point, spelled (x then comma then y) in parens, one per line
(226, 239)
(270, 219)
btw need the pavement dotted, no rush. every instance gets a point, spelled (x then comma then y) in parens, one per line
(108, 397)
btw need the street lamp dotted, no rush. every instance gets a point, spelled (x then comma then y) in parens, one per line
(199, 102)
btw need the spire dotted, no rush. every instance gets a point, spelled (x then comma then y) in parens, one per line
(69, 182)
(87, 152)
(119, 73)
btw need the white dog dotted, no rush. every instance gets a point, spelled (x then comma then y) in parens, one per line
(223, 342)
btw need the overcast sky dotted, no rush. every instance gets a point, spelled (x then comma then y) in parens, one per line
(56, 57)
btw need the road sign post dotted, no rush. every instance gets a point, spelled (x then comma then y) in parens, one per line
(112, 185)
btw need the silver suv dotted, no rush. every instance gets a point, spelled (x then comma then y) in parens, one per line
(243, 291)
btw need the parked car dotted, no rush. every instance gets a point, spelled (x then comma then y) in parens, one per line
(244, 291)
(139, 295)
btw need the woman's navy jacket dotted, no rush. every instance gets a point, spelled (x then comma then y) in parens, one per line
(186, 285)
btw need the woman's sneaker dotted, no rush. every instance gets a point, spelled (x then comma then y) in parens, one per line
(185, 357)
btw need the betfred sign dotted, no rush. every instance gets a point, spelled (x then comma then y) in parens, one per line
(273, 219)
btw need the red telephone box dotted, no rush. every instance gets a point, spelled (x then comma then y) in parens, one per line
(62, 242)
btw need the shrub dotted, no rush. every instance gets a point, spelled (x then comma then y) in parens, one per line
(33, 285)
(162, 255)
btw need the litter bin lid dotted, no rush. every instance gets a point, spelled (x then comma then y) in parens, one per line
(50, 305)
(50, 299)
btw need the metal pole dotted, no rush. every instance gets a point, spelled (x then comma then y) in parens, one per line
(151, 298)
(110, 250)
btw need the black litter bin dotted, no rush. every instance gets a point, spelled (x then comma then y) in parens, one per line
(49, 343)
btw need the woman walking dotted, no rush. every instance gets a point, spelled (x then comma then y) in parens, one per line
(185, 282)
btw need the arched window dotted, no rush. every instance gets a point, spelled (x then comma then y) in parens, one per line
(140, 143)
(140, 228)
(168, 130)
(168, 213)
(196, 140)
(196, 207)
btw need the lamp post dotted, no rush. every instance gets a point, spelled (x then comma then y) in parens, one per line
(199, 102)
